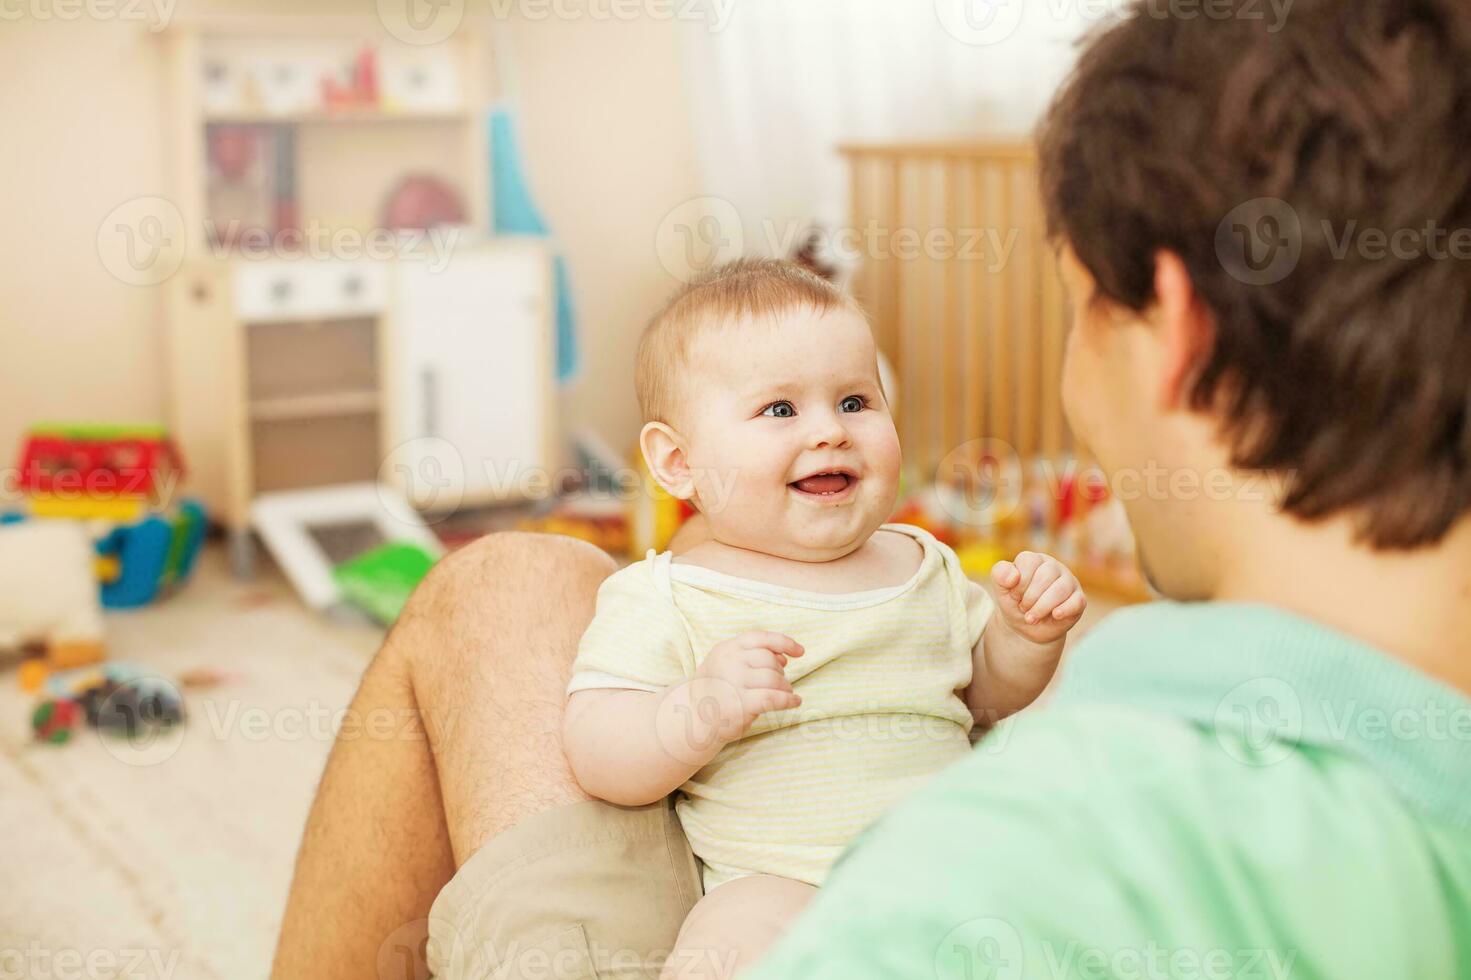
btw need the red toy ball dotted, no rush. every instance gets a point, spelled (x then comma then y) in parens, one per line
(420, 201)
(55, 719)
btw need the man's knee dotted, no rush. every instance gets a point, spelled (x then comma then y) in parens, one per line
(510, 567)
(509, 588)
(549, 553)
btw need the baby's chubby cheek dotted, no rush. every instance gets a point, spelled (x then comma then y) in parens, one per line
(735, 493)
(889, 456)
(884, 458)
(715, 491)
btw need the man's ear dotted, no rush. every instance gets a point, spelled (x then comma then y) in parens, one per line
(663, 450)
(1187, 331)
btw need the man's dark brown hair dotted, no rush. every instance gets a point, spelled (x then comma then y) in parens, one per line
(1233, 141)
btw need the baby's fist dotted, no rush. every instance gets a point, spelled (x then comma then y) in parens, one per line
(1040, 599)
(743, 678)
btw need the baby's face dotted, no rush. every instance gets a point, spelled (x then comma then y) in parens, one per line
(789, 438)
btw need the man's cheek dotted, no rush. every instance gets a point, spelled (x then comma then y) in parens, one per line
(1075, 377)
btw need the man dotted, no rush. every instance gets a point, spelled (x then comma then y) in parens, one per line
(1270, 777)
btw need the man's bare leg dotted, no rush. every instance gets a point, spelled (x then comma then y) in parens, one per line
(477, 664)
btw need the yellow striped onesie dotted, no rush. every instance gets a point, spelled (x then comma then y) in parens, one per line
(880, 683)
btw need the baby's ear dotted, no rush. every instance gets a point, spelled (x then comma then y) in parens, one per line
(663, 451)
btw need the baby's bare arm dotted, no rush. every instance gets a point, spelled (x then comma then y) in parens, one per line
(1008, 673)
(1039, 601)
(635, 747)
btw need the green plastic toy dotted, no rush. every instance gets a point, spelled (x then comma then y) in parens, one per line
(379, 580)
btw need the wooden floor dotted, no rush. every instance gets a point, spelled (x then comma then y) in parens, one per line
(172, 859)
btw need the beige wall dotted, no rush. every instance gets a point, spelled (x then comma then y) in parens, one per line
(605, 128)
(80, 113)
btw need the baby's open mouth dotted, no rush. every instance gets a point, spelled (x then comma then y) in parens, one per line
(829, 483)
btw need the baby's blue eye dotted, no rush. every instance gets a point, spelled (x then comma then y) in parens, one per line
(853, 403)
(779, 410)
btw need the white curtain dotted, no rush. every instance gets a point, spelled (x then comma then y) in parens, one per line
(781, 83)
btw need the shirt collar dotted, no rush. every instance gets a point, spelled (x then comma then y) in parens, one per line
(1281, 681)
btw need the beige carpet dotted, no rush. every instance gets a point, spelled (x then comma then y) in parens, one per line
(172, 859)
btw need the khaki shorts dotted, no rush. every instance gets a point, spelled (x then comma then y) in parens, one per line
(588, 891)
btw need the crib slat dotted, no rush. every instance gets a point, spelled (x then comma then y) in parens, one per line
(970, 361)
(953, 327)
(1053, 327)
(931, 274)
(1023, 280)
(892, 298)
(911, 327)
(1001, 368)
(860, 205)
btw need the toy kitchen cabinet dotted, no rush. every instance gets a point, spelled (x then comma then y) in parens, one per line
(435, 381)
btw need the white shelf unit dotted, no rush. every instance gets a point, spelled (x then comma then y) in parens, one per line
(301, 371)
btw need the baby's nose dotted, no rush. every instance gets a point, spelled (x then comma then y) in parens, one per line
(829, 432)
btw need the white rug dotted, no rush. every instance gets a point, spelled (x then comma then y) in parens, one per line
(172, 859)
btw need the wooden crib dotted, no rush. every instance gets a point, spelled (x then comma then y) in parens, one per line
(963, 288)
(964, 294)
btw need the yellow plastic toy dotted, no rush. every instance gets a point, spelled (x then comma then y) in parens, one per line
(653, 514)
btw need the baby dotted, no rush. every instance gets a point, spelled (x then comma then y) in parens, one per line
(806, 665)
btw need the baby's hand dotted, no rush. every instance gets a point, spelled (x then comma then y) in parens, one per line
(743, 678)
(1040, 598)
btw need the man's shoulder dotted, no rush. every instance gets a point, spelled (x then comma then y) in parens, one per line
(1187, 825)
(1107, 830)
(1116, 773)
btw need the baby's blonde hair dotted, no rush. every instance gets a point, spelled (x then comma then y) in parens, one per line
(745, 288)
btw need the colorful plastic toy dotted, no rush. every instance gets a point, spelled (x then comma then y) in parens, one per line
(116, 697)
(653, 514)
(107, 471)
(380, 580)
(33, 673)
(141, 561)
(54, 720)
(122, 480)
(127, 708)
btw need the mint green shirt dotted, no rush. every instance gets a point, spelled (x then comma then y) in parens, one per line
(1217, 791)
